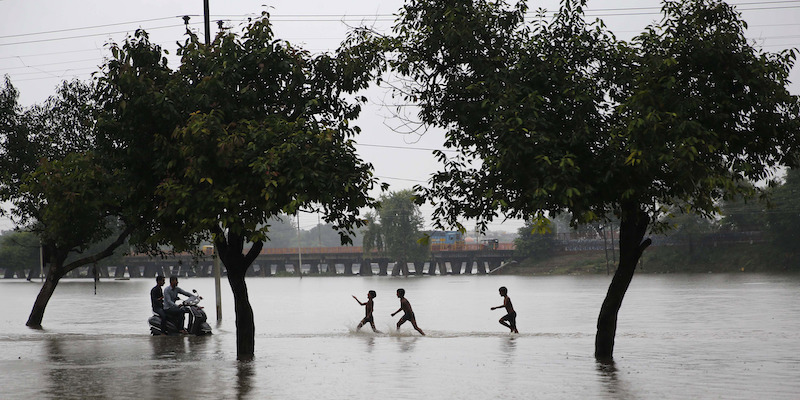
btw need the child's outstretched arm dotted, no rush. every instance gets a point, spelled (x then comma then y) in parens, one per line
(359, 302)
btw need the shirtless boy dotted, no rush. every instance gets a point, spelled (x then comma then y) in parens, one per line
(408, 313)
(369, 307)
(510, 319)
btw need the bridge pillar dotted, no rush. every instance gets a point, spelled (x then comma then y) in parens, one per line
(455, 266)
(201, 269)
(383, 267)
(432, 267)
(400, 268)
(442, 267)
(183, 269)
(419, 267)
(134, 271)
(365, 269)
(481, 267)
(293, 266)
(330, 267)
(313, 267)
(33, 273)
(468, 267)
(348, 267)
(280, 268)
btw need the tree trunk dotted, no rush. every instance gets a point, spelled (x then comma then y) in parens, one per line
(54, 274)
(245, 322)
(58, 270)
(237, 264)
(633, 227)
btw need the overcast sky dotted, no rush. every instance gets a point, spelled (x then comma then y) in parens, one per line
(45, 42)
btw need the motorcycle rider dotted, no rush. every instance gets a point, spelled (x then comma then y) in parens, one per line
(170, 297)
(157, 302)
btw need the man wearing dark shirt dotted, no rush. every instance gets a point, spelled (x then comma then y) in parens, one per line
(157, 302)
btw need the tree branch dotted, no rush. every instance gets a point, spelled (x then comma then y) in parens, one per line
(103, 254)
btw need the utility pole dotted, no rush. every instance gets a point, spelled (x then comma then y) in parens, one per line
(299, 250)
(217, 266)
(217, 287)
(207, 22)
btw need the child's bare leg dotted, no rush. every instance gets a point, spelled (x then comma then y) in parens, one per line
(414, 324)
(506, 324)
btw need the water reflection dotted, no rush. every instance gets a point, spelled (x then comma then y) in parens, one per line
(407, 344)
(508, 346)
(179, 348)
(71, 370)
(245, 370)
(370, 343)
(615, 387)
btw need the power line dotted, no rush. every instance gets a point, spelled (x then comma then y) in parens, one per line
(85, 36)
(50, 54)
(401, 179)
(85, 27)
(405, 147)
(49, 64)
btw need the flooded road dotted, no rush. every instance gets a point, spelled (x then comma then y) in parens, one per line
(679, 336)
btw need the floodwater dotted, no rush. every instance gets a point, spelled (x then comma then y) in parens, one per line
(726, 336)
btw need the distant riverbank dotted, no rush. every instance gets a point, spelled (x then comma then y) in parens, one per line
(758, 257)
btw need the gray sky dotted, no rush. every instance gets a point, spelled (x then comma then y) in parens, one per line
(44, 42)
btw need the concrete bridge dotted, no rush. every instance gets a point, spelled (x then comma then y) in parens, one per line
(453, 259)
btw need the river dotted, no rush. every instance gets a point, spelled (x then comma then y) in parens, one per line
(705, 336)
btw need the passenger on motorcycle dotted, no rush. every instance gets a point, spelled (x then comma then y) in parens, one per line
(157, 302)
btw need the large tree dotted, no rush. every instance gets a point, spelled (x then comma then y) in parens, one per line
(266, 132)
(59, 183)
(560, 116)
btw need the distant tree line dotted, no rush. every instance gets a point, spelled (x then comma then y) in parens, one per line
(775, 221)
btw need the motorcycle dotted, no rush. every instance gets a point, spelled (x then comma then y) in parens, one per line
(197, 319)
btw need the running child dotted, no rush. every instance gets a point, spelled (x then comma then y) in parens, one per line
(510, 319)
(369, 307)
(408, 313)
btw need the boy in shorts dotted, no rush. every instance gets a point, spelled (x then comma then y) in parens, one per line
(408, 313)
(510, 319)
(369, 307)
